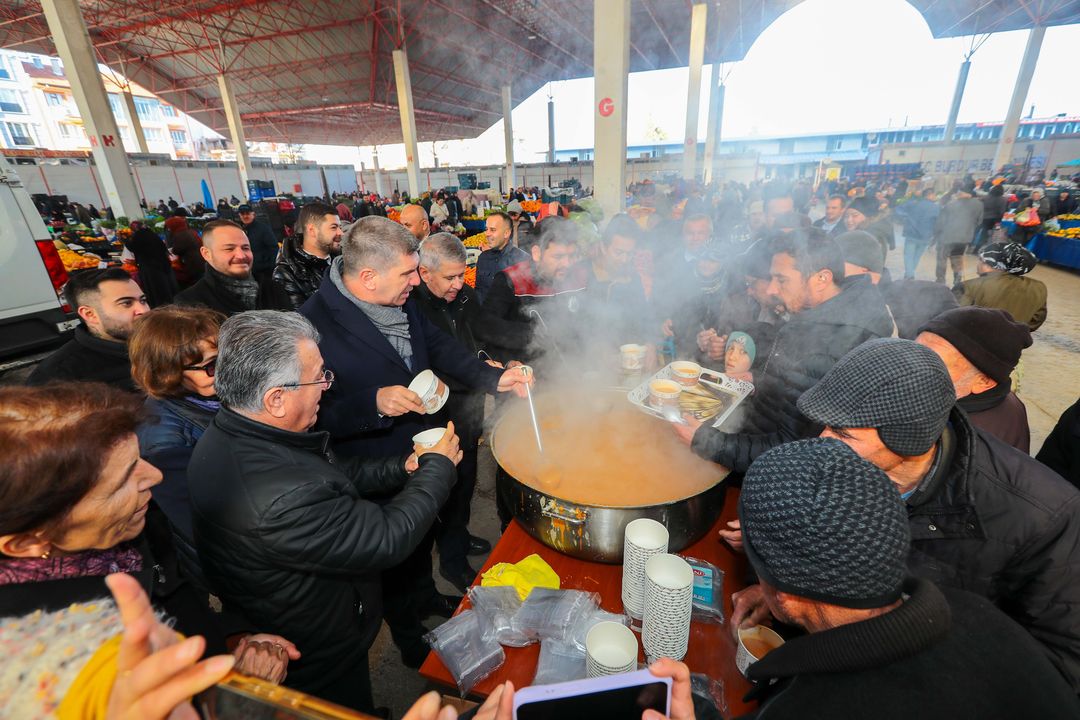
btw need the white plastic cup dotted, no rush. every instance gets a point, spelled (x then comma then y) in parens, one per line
(429, 438)
(664, 393)
(632, 356)
(610, 649)
(685, 373)
(744, 657)
(669, 603)
(642, 539)
(433, 392)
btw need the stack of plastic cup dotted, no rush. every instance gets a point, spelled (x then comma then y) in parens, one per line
(669, 603)
(610, 649)
(643, 539)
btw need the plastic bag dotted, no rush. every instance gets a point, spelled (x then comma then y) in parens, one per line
(465, 651)
(552, 613)
(497, 607)
(708, 590)
(524, 575)
(559, 662)
(585, 623)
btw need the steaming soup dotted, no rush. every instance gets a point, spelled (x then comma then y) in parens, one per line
(600, 450)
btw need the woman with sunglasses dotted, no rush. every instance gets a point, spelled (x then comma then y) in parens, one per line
(173, 351)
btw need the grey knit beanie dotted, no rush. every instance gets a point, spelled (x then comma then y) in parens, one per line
(820, 522)
(896, 386)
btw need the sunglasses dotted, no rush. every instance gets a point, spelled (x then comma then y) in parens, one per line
(208, 367)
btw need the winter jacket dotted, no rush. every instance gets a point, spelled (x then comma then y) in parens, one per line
(186, 245)
(156, 275)
(212, 293)
(1061, 449)
(993, 521)
(1022, 297)
(806, 347)
(86, 358)
(957, 222)
(913, 303)
(264, 246)
(999, 412)
(299, 273)
(492, 262)
(285, 532)
(994, 207)
(615, 312)
(166, 440)
(942, 654)
(365, 361)
(919, 216)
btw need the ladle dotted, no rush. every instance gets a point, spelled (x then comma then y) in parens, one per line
(526, 371)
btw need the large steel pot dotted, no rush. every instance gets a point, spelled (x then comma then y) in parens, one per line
(594, 532)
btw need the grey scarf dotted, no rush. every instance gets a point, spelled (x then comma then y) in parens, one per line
(392, 322)
(245, 289)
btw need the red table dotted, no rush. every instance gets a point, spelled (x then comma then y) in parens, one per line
(711, 649)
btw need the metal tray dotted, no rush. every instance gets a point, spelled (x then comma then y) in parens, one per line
(737, 390)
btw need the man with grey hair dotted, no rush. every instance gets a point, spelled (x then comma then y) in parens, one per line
(284, 532)
(378, 341)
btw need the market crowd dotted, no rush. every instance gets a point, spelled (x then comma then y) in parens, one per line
(227, 444)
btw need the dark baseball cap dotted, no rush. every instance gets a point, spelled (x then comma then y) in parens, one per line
(245, 208)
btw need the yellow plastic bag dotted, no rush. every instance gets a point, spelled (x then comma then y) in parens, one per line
(523, 575)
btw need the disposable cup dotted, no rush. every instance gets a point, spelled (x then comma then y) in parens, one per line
(685, 373)
(669, 603)
(433, 392)
(429, 438)
(610, 648)
(755, 643)
(664, 393)
(632, 356)
(643, 538)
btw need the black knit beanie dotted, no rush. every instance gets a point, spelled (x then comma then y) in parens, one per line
(821, 523)
(988, 337)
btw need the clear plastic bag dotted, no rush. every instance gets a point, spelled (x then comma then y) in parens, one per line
(587, 620)
(465, 651)
(559, 661)
(552, 613)
(708, 590)
(497, 607)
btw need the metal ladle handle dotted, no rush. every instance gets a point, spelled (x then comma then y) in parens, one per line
(526, 371)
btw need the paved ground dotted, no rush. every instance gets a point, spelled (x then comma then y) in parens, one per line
(1050, 382)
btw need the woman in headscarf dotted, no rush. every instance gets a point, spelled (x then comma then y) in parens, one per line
(1001, 284)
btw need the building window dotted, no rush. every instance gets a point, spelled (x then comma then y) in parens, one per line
(20, 134)
(54, 99)
(116, 106)
(147, 108)
(67, 131)
(5, 73)
(11, 101)
(168, 110)
(179, 137)
(153, 134)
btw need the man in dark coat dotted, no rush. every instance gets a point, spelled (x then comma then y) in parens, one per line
(983, 516)
(264, 245)
(981, 347)
(864, 213)
(499, 253)
(228, 285)
(615, 309)
(155, 269)
(377, 340)
(829, 316)
(306, 255)
(1061, 449)
(108, 302)
(954, 230)
(673, 277)
(875, 637)
(285, 528)
(832, 223)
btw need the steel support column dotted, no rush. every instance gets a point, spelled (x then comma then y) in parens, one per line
(957, 98)
(698, 21)
(1004, 152)
(551, 132)
(236, 129)
(378, 172)
(408, 121)
(716, 121)
(611, 65)
(134, 123)
(72, 41)
(508, 136)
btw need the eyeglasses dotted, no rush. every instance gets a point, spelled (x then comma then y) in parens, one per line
(327, 380)
(208, 367)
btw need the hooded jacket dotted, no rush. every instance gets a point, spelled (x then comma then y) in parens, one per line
(88, 358)
(298, 271)
(993, 521)
(285, 532)
(806, 347)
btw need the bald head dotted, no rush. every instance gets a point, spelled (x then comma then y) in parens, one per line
(415, 220)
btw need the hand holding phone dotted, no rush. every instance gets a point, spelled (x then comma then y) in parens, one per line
(628, 695)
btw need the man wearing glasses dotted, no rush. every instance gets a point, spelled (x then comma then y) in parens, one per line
(108, 302)
(286, 530)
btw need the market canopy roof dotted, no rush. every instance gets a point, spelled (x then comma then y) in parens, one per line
(320, 71)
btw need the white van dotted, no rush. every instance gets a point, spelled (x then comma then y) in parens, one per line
(33, 314)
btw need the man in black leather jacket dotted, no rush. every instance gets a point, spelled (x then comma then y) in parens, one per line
(285, 530)
(307, 253)
(830, 315)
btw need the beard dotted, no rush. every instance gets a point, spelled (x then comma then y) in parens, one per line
(115, 329)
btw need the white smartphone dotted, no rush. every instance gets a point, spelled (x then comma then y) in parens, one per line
(614, 696)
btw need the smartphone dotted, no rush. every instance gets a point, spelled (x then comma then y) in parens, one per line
(238, 697)
(614, 696)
